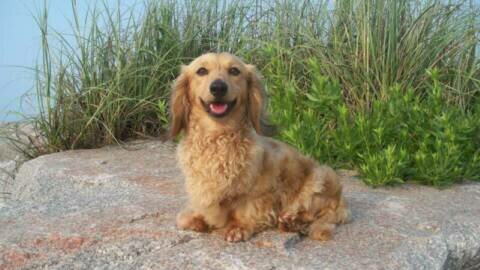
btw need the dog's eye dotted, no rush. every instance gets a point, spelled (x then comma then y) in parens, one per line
(202, 71)
(233, 71)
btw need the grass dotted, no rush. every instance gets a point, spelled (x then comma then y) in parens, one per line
(390, 88)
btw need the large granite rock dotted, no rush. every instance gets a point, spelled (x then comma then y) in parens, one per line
(114, 208)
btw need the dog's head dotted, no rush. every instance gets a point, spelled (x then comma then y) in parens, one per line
(220, 87)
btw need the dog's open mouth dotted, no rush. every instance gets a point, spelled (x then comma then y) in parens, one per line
(218, 108)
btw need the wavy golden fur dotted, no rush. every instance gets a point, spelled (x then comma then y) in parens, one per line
(238, 180)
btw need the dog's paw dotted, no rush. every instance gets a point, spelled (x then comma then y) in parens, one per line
(288, 222)
(321, 231)
(188, 221)
(237, 234)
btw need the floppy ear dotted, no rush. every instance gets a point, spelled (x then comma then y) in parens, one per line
(179, 104)
(256, 104)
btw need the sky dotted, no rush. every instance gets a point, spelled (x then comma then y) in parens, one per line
(20, 47)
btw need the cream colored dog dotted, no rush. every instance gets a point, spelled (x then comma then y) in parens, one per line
(238, 180)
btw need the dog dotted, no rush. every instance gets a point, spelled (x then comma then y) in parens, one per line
(238, 180)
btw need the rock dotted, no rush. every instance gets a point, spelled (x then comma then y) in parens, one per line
(114, 208)
(7, 151)
(18, 138)
(10, 157)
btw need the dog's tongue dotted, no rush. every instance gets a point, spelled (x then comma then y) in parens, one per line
(218, 108)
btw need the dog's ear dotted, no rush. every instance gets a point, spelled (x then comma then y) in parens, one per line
(256, 104)
(179, 104)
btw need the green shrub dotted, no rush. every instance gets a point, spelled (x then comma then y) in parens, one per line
(404, 136)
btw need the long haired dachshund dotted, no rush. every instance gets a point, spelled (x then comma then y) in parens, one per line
(238, 180)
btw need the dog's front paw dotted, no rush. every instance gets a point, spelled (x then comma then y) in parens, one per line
(291, 222)
(189, 221)
(237, 234)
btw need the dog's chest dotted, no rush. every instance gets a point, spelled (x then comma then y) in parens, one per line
(223, 157)
(220, 166)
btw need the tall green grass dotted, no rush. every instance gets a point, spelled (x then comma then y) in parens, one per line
(390, 88)
(112, 81)
(374, 45)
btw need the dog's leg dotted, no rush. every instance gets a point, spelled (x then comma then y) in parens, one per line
(329, 207)
(202, 219)
(253, 215)
(334, 213)
(214, 215)
(317, 208)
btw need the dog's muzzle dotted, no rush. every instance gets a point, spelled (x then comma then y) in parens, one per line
(218, 108)
(218, 88)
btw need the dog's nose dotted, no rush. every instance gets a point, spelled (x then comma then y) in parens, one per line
(218, 88)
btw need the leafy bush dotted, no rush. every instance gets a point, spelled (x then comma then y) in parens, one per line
(404, 136)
